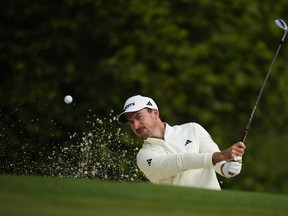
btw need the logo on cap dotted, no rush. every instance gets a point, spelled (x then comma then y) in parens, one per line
(149, 104)
(128, 105)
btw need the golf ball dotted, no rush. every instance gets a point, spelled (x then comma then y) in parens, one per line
(68, 99)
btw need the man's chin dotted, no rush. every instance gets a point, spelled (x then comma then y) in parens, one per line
(143, 136)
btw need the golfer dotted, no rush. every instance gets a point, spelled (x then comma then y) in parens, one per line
(183, 155)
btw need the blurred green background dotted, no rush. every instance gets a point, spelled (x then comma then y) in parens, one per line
(201, 61)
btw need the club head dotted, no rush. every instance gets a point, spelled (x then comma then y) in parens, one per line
(281, 24)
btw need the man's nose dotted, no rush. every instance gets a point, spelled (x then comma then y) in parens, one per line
(136, 125)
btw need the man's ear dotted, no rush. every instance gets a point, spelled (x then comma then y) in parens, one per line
(156, 112)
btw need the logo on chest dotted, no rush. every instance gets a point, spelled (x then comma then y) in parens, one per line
(188, 142)
(149, 162)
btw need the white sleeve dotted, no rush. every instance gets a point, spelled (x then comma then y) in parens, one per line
(208, 145)
(157, 166)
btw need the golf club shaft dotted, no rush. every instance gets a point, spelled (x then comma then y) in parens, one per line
(244, 135)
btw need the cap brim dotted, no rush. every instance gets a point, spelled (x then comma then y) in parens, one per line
(122, 118)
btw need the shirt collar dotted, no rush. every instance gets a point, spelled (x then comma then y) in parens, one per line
(168, 131)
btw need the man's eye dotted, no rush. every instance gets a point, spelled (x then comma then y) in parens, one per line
(138, 117)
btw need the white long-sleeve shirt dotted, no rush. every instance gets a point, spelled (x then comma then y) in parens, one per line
(183, 158)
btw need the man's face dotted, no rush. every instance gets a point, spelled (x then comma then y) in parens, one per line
(143, 122)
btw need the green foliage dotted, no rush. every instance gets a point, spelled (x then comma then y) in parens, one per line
(201, 61)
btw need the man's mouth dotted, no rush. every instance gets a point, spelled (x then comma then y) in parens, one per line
(140, 130)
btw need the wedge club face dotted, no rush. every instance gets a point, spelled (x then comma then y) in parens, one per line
(281, 24)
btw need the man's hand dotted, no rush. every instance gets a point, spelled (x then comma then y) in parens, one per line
(232, 168)
(238, 149)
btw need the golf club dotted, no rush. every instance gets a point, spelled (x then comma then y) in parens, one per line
(280, 23)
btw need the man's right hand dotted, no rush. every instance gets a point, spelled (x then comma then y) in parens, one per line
(236, 150)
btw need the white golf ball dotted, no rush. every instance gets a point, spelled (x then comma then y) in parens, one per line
(68, 99)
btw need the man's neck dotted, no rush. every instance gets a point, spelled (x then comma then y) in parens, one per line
(159, 131)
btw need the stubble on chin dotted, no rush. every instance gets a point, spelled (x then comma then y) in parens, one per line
(142, 134)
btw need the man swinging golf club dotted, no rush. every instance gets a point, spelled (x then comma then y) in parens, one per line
(183, 155)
